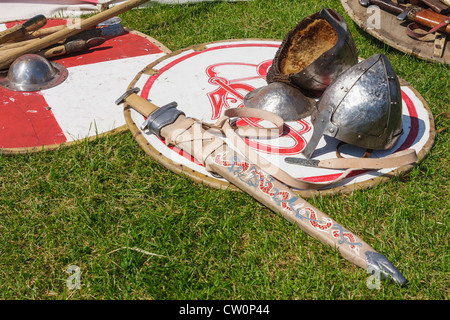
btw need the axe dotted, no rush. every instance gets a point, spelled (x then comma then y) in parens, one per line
(105, 32)
(19, 30)
(189, 135)
(9, 57)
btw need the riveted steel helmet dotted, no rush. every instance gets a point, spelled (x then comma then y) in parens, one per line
(32, 72)
(314, 53)
(279, 98)
(362, 107)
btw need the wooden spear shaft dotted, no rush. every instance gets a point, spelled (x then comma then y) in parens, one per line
(9, 57)
(275, 195)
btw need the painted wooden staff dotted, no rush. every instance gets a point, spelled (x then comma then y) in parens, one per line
(35, 46)
(188, 134)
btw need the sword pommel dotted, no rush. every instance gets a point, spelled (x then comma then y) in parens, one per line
(123, 97)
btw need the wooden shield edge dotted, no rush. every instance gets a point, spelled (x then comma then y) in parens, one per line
(388, 41)
(122, 128)
(220, 184)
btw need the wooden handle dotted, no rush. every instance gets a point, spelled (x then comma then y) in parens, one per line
(431, 19)
(46, 31)
(8, 46)
(19, 30)
(10, 33)
(425, 17)
(10, 56)
(389, 6)
(53, 52)
(192, 138)
(35, 23)
(436, 5)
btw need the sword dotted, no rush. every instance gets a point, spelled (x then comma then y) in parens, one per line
(189, 135)
(391, 161)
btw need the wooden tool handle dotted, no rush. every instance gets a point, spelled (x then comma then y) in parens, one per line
(35, 23)
(424, 17)
(436, 5)
(71, 47)
(141, 105)
(7, 59)
(190, 136)
(19, 30)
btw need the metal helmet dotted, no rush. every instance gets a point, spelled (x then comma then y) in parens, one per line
(315, 52)
(362, 107)
(32, 72)
(279, 98)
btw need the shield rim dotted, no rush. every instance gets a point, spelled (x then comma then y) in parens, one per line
(198, 177)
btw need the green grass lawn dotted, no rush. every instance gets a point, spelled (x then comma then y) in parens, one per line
(138, 231)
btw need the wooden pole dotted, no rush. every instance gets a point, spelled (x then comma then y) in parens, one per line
(9, 57)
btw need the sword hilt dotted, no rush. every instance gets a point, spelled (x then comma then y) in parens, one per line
(157, 118)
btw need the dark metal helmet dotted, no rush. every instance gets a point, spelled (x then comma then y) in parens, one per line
(362, 107)
(315, 52)
(282, 99)
(32, 72)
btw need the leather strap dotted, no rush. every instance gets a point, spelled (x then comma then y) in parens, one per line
(416, 35)
(193, 130)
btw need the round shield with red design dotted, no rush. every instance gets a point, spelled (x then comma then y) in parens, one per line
(207, 79)
(83, 105)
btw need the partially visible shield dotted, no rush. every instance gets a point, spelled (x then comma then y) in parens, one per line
(282, 99)
(207, 79)
(385, 27)
(80, 107)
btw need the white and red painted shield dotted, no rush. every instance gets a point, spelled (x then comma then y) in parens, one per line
(205, 80)
(83, 105)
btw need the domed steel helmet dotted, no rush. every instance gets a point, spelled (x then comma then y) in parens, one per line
(279, 98)
(32, 72)
(362, 107)
(314, 53)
